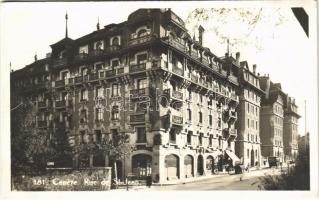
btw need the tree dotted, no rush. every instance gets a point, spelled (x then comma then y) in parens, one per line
(30, 148)
(298, 178)
(240, 26)
(115, 147)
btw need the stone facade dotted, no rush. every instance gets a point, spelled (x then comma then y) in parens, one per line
(290, 136)
(248, 140)
(271, 118)
(148, 79)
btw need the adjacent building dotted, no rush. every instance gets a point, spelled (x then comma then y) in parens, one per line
(290, 136)
(248, 125)
(271, 119)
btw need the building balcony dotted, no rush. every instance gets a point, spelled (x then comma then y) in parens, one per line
(109, 73)
(230, 133)
(81, 56)
(70, 81)
(194, 54)
(42, 124)
(78, 79)
(60, 104)
(141, 40)
(232, 78)
(96, 53)
(60, 83)
(177, 44)
(59, 63)
(94, 77)
(175, 19)
(113, 48)
(177, 95)
(137, 118)
(141, 92)
(120, 70)
(177, 120)
(42, 105)
(138, 68)
(177, 71)
(194, 78)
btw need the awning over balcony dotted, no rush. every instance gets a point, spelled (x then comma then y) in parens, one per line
(233, 156)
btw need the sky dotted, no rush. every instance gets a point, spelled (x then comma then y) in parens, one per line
(287, 54)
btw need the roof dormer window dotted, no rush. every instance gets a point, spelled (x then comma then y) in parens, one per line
(115, 41)
(84, 49)
(98, 45)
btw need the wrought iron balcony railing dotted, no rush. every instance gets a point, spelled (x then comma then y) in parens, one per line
(138, 67)
(140, 40)
(137, 118)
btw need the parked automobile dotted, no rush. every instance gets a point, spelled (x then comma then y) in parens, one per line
(273, 161)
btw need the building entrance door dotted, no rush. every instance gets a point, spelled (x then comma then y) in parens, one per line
(252, 158)
(200, 165)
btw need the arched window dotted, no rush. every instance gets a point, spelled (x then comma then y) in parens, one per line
(98, 45)
(115, 41)
(142, 33)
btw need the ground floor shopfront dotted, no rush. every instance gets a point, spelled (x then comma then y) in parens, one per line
(169, 164)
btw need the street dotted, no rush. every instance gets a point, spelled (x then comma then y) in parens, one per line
(246, 181)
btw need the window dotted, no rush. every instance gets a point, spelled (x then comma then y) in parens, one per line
(200, 117)
(172, 136)
(84, 94)
(210, 140)
(82, 134)
(98, 66)
(98, 92)
(84, 49)
(248, 123)
(210, 120)
(189, 111)
(98, 136)
(64, 75)
(99, 114)
(248, 153)
(200, 139)
(141, 83)
(83, 116)
(115, 63)
(189, 94)
(141, 135)
(115, 90)
(142, 33)
(256, 125)
(200, 98)
(115, 136)
(99, 45)
(189, 137)
(115, 41)
(141, 58)
(248, 106)
(115, 113)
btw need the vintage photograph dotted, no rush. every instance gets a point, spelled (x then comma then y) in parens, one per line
(131, 98)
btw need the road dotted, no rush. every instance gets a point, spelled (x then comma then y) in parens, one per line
(249, 181)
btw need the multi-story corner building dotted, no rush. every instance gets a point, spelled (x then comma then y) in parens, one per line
(248, 141)
(271, 119)
(291, 117)
(146, 78)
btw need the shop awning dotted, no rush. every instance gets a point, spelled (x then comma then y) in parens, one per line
(232, 155)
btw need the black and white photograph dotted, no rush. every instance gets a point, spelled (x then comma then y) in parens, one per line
(130, 97)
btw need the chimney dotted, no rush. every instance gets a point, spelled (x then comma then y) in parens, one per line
(237, 58)
(35, 57)
(254, 68)
(226, 55)
(200, 33)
